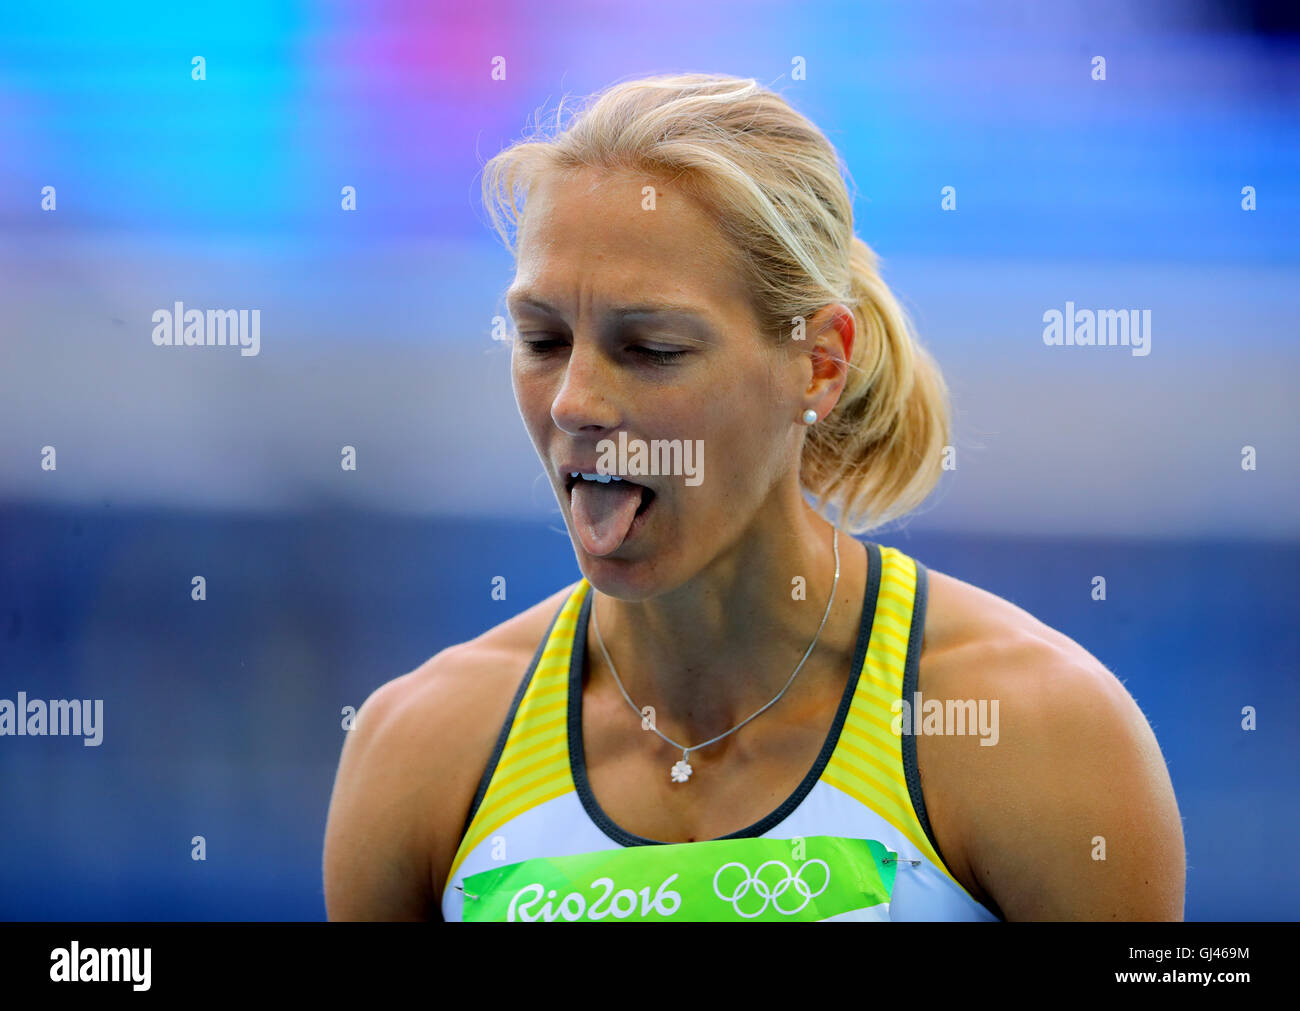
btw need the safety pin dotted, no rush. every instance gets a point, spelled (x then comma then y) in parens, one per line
(896, 860)
(468, 895)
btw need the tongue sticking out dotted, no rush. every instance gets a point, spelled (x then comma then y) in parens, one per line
(602, 513)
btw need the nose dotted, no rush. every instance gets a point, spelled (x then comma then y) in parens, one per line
(584, 402)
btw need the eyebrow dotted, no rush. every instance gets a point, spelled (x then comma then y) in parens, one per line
(670, 312)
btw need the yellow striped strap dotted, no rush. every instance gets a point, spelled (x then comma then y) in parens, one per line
(869, 760)
(531, 765)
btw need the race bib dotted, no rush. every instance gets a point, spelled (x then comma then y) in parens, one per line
(723, 880)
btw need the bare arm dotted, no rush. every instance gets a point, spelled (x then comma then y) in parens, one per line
(376, 845)
(408, 773)
(1072, 813)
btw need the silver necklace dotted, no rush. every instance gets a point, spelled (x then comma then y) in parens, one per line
(681, 772)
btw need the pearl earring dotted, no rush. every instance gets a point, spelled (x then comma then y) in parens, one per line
(809, 416)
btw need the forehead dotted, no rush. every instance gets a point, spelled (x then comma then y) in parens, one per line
(592, 234)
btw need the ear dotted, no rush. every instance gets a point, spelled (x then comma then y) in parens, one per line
(834, 330)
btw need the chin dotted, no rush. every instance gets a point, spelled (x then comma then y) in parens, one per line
(634, 570)
(631, 578)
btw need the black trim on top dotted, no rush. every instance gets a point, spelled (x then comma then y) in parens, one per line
(911, 679)
(578, 758)
(491, 769)
(911, 675)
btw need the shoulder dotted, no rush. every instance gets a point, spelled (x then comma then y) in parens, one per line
(437, 699)
(1065, 810)
(411, 765)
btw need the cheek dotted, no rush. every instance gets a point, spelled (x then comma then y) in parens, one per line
(532, 393)
(752, 441)
(736, 430)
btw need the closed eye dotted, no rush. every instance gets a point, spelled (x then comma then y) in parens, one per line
(655, 355)
(541, 343)
(545, 343)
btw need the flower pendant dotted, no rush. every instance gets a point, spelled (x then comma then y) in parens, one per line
(681, 772)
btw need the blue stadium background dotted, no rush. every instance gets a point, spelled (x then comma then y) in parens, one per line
(223, 718)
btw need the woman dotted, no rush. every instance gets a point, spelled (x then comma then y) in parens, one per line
(714, 723)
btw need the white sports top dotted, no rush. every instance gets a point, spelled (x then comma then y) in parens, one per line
(852, 842)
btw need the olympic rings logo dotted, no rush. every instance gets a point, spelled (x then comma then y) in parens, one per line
(771, 891)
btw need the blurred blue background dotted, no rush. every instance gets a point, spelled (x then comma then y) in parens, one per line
(223, 719)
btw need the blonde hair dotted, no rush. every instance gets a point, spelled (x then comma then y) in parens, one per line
(774, 185)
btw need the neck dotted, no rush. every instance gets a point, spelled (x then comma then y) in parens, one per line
(711, 652)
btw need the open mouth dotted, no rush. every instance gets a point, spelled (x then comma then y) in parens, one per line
(607, 511)
(647, 493)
